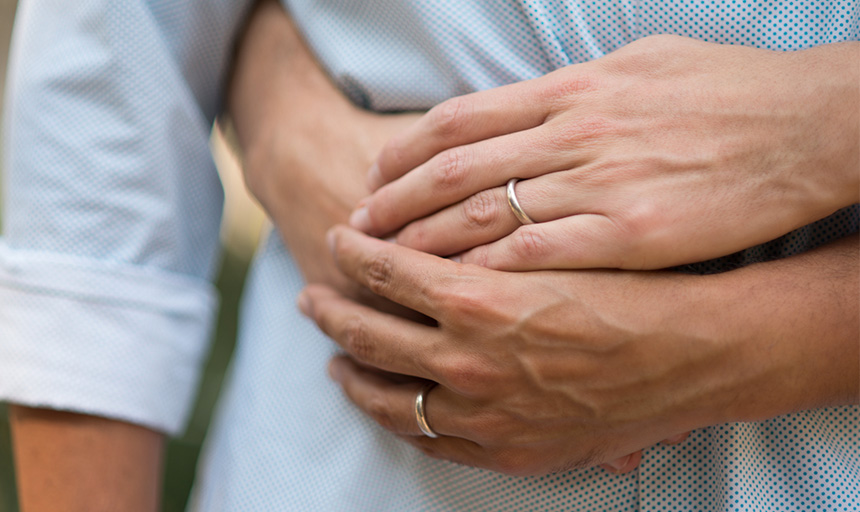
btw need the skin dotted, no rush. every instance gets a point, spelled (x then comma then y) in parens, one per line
(84, 463)
(77, 460)
(545, 371)
(92, 464)
(283, 102)
(284, 153)
(273, 187)
(668, 151)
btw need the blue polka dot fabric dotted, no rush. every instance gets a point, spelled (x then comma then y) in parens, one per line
(109, 108)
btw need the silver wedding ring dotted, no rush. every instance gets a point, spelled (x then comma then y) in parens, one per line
(520, 214)
(420, 415)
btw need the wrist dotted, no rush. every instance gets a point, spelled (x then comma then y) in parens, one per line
(827, 78)
(791, 330)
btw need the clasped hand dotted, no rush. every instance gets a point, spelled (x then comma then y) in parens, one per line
(668, 151)
(537, 372)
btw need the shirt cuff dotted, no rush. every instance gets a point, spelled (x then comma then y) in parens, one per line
(108, 339)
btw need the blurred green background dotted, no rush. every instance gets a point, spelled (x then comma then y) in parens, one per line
(241, 228)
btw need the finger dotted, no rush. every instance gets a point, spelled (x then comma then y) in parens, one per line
(578, 241)
(392, 404)
(458, 121)
(373, 338)
(624, 464)
(460, 172)
(487, 216)
(480, 219)
(411, 278)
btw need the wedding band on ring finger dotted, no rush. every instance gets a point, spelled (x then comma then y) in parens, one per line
(514, 203)
(420, 414)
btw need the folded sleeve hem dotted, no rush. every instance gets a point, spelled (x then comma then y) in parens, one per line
(108, 339)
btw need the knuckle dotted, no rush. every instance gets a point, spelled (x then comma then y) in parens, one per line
(378, 272)
(643, 218)
(379, 410)
(469, 376)
(641, 229)
(481, 210)
(529, 244)
(559, 91)
(588, 130)
(451, 168)
(593, 127)
(467, 303)
(357, 340)
(451, 117)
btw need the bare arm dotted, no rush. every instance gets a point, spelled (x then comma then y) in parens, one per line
(92, 464)
(82, 463)
(306, 147)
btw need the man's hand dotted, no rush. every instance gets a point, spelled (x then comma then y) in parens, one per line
(549, 370)
(306, 147)
(668, 151)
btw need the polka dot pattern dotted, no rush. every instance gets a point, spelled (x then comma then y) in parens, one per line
(112, 194)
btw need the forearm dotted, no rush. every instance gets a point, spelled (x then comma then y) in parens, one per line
(306, 147)
(827, 79)
(74, 462)
(280, 99)
(794, 326)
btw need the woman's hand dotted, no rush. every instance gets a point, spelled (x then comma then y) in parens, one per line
(549, 370)
(665, 152)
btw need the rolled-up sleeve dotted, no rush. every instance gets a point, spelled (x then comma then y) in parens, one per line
(111, 204)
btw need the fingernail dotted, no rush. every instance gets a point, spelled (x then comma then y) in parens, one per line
(329, 240)
(374, 177)
(305, 304)
(335, 371)
(360, 219)
(620, 463)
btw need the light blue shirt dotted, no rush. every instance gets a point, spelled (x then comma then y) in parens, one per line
(112, 208)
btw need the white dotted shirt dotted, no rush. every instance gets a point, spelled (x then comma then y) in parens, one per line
(112, 207)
